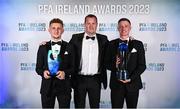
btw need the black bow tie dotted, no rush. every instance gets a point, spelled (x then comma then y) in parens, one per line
(92, 38)
(53, 43)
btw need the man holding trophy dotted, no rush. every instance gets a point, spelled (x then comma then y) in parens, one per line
(125, 58)
(55, 63)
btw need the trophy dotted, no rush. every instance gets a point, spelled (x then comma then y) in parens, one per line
(53, 63)
(122, 73)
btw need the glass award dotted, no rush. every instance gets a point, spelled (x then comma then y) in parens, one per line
(122, 73)
(53, 63)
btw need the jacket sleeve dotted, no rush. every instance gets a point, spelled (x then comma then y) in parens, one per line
(110, 58)
(141, 63)
(40, 61)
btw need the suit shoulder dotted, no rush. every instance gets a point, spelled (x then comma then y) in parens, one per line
(44, 45)
(137, 44)
(137, 41)
(114, 41)
(77, 34)
(65, 42)
(102, 35)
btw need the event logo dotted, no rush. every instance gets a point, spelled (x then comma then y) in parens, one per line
(153, 27)
(155, 66)
(14, 47)
(74, 27)
(79, 27)
(105, 9)
(107, 26)
(170, 47)
(32, 26)
(27, 66)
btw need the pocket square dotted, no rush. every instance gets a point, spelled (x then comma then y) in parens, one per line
(133, 50)
(66, 53)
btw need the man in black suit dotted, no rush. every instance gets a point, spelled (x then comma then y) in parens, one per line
(55, 61)
(127, 89)
(90, 71)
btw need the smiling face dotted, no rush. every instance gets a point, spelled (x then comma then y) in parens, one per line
(56, 30)
(124, 28)
(90, 25)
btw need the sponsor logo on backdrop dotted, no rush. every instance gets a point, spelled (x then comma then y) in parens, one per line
(27, 66)
(153, 27)
(14, 46)
(32, 26)
(170, 47)
(155, 66)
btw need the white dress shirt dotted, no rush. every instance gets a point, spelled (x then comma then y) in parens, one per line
(90, 53)
(55, 48)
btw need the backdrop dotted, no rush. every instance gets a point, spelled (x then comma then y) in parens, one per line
(24, 24)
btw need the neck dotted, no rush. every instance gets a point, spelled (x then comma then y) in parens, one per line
(124, 37)
(56, 40)
(90, 34)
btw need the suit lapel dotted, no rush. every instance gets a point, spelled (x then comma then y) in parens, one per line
(63, 48)
(48, 46)
(80, 39)
(99, 44)
(130, 47)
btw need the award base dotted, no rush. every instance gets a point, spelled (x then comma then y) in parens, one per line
(122, 75)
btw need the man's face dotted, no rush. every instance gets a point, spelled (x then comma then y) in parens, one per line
(90, 25)
(124, 28)
(56, 30)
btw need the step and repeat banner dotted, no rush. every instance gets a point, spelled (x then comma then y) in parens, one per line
(24, 25)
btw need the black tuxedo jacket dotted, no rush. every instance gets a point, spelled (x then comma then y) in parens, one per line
(76, 41)
(67, 65)
(136, 64)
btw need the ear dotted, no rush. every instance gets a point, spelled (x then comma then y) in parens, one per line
(63, 30)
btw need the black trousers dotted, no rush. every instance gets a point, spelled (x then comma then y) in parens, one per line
(119, 95)
(49, 101)
(87, 85)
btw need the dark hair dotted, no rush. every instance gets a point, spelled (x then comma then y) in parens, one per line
(91, 16)
(56, 20)
(124, 19)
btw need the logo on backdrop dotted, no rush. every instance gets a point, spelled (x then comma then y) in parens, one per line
(153, 27)
(14, 46)
(155, 67)
(32, 26)
(169, 47)
(94, 9)
(27, 66)
(79, 27)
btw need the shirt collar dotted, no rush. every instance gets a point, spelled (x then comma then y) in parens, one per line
(125, 39)
(56, 40)
(89, 35)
